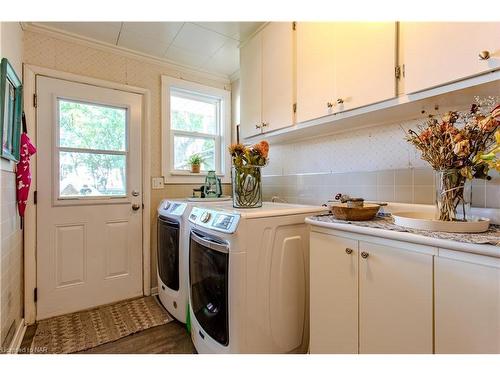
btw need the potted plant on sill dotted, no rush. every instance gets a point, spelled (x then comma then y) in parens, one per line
(195, 161)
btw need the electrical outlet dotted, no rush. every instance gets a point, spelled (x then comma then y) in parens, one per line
(158, 183)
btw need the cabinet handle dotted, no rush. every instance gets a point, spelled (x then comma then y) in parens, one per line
(484, 55)
(258, 126)
(364, 254)
(348, 251)
(264, 124)
(329, 104)
(340, 101)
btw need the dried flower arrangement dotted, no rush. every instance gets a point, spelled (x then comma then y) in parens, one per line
(247, 162)
(462, 146)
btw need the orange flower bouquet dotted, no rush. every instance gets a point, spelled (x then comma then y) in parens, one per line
(246, 174)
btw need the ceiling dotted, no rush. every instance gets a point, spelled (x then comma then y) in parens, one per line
(209, 46)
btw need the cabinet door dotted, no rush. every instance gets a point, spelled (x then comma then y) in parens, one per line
(315, 69)
(251, 86)
(395, 300)
(333, 294)
(467, 306)
(277, 75)
(435, 53)
(365, 61)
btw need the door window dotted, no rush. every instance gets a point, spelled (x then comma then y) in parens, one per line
(92, 148)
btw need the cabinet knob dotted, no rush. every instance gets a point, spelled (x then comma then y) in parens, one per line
(364, 254)
(329, 105)
(348, 251)
(258, 126)
(340, 101)
(264, 124)
(484, 55)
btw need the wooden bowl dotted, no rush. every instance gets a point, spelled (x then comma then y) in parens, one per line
(341, 212)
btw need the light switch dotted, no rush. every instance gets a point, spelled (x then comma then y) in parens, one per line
(158, 183)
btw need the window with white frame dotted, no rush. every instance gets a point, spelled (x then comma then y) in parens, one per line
(196, 120)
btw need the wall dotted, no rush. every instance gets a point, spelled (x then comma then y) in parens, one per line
(74, 57)
(11, 236)
(374, 163)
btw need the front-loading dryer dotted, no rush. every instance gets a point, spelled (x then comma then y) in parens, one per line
(172, 253)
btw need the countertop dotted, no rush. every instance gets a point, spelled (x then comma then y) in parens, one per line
(434, 239)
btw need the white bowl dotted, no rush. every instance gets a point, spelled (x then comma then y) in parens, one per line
(426, 221)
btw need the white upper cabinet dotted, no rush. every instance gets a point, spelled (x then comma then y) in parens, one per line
(315, 70)
(344, 65)
(435, 53)
(251, 87)
(365, 63)
(266, 76)
(277, 76)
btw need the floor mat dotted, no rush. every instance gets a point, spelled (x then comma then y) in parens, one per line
(83, 330)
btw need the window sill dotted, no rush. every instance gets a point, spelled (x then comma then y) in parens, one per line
(180, 177)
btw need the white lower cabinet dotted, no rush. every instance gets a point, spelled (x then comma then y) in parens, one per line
(370, 297)
(467, 303)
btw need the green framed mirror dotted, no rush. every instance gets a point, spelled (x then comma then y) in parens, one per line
(11, 109)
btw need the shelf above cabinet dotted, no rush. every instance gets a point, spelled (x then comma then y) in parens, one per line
(457, 95)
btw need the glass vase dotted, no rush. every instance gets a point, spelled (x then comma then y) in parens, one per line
(247, 186)
(453, 196)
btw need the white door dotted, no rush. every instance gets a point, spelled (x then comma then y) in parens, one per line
(334, 295)
(435, 53)
(89, 210)
(251, 87)
(315, 70)
(395, 300)
(277, 76)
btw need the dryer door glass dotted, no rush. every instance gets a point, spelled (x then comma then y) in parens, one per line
(208, 277)
(168, 252)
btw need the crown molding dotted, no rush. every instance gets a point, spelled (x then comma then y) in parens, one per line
(93, 43)
(235, 76)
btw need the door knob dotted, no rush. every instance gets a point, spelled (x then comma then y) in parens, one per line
(348, 251)
(364, 254)
(484, 55)
(136, 206)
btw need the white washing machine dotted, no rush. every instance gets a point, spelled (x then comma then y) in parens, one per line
(173, 251)
(249, 278)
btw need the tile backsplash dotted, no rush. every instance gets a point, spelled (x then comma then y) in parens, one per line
(412, 185)
(375, 163)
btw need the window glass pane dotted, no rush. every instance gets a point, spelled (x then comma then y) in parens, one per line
(193, 115)
(86, 174)
(184, 147)
(91, 126)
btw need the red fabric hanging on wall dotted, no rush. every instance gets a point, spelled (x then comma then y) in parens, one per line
(23, 173)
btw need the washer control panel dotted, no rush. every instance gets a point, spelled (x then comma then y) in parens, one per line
(172, 208)
(215, 220)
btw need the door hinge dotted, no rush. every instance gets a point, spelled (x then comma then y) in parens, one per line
(294, 107)
(397, 72)
(294, 25)
(35, 100)
(35, 294)
(35, 197)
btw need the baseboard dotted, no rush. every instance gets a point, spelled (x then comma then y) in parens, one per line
(15, 344)
(154, 291)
